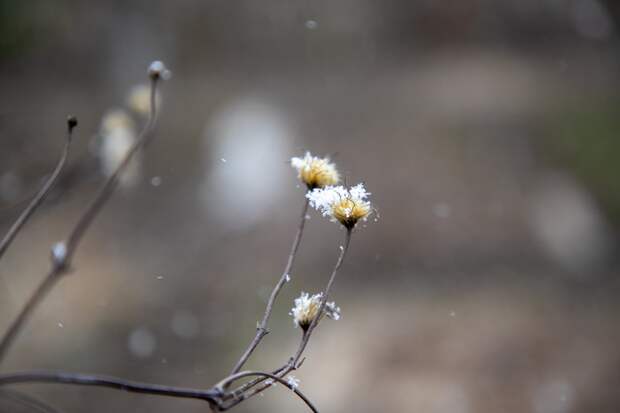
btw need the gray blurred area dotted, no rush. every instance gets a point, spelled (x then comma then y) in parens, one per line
(487, 131)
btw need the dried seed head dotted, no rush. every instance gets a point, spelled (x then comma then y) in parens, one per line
(346, 206)
(139, 99)
(307, 308)
(315, 172)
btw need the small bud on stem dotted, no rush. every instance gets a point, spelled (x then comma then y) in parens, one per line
(157, 70)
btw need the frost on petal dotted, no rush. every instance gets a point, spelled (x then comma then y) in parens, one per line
(298, 163)
(315, 172)
(342, 205)
(332, 311)
(306, 309)
(359, 192)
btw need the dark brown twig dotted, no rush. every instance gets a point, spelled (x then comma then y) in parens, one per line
(43, 192)
(63, 252)
(261, 329)
(112, 182)
(109, 382)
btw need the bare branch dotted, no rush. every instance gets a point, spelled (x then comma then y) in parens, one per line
(43, 192)
(109, 382)
(62, 253)
(261, 329)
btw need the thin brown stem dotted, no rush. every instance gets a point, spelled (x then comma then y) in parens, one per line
(261, 329)
(247, 390)
(61, 258)
(111, 183)
(109, 382)
(43, 192)
(222, 384)
(315, 321)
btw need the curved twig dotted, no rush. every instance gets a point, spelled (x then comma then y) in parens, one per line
(43, 192)
(222, 384)
(109, 382)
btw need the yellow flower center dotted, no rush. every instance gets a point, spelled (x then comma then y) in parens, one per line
(349, 211)
(309, 314)
(318, 174)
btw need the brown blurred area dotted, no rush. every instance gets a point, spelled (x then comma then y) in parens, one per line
(487, 132)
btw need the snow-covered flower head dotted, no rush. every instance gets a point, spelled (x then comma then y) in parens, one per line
(307, 308)
(315, 172)
(346, 206)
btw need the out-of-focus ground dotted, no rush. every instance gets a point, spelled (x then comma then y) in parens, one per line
(487, 132)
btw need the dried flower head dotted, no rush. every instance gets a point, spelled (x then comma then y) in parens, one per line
(315, 172)
(307, 307)
(116, 119)
(346, 206)
(118, 135)
(139, 99)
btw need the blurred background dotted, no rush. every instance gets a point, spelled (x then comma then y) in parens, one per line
(487, 132)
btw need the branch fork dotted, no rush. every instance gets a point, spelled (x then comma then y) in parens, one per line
(219, 397)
